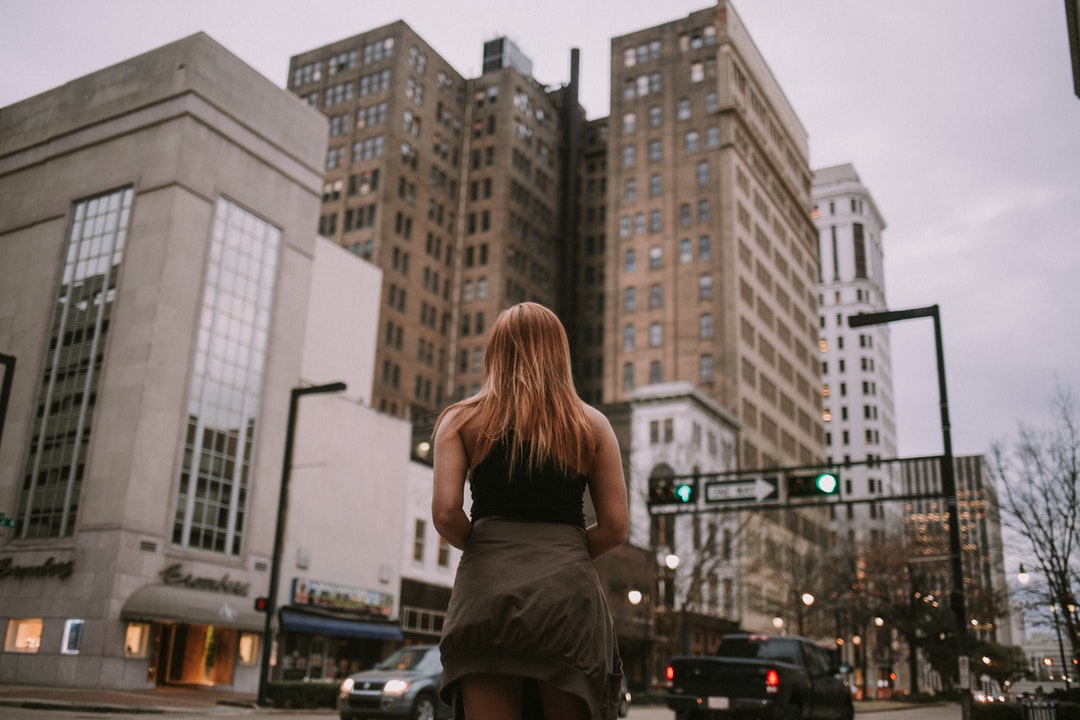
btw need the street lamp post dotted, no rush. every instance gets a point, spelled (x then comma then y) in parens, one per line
(279, 531)
(948, 488)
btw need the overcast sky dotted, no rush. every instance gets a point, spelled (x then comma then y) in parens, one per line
(959, 116)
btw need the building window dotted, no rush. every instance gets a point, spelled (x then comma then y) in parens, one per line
(704, 248)
(654, 185)
(712, 136)
(628, 336)
(655, 256)
(654, 372)
(53, 474)
(655, 150)
(705, 326)
(628, 156)
(705, 368)
(629, 122)
(23, 635)
(860, 250)
(420, 529)
(248, 650)
(71, 640)
(135, 640)
(629, 299)
(444, 553)
(686, 251)
(655, 222)
(703, 173)
(684, 109)
(656, 116)
(656, 335)
(628, 376)
(630, 263)
(226, 387)
(631, 190)
(656, 297)
(693, 141)
(705, 287)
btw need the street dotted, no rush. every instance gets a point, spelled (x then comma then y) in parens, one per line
(872, 711)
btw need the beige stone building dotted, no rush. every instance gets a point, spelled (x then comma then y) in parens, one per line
(450, 185)
(711, 268)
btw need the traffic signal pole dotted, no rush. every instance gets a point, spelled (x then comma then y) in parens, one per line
(948, 489)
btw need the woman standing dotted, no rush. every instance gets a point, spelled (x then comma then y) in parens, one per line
(527, 610)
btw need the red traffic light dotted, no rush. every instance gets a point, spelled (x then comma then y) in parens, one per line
(261, 604)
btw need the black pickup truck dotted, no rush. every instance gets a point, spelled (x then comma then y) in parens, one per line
(759, 676)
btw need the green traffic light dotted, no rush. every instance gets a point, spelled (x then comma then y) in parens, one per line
(826, 483)
(684, 493)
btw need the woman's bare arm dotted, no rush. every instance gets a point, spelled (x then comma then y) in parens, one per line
(607, 487)
(448, 495)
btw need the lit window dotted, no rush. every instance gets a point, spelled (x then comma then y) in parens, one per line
(135, 640)
(249, 649)
(23, 635)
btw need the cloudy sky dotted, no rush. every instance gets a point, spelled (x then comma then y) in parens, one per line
(959, 116)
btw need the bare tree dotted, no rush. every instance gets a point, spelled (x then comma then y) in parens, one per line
(1039, 478)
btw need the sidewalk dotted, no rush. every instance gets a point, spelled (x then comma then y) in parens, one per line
(159, 700)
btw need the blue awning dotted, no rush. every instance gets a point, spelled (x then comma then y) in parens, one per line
(338, 627)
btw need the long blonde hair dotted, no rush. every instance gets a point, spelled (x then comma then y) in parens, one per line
(528, 394)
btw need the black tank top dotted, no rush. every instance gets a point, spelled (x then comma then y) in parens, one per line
(547, 494)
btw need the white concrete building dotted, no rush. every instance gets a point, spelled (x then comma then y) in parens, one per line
(857, 394)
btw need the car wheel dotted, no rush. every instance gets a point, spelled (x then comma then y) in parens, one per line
(793, 712)
(424, 707)
(848, 713)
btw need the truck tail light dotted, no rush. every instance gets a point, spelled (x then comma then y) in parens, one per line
(772, 681)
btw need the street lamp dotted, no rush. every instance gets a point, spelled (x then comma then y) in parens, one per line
(948, 488)
(279, 532)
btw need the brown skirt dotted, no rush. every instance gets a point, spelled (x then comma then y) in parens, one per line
(527, 602)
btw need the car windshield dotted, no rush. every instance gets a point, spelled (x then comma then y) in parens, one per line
(408, 659)
(758, 648)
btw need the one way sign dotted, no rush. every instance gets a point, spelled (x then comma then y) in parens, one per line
(759, 489)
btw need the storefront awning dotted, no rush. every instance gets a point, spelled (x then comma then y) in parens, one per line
(338, 627)
(174, 603)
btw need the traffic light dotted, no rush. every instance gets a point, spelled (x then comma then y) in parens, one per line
(668, 491)
(813, 485)
(261, 604)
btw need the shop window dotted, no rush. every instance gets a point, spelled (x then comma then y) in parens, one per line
(71, 642)
(135, 640)
(249, 648)
(23, 635)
